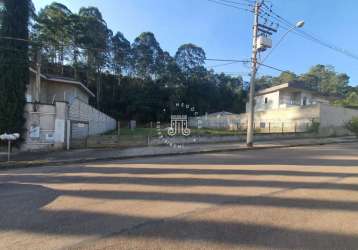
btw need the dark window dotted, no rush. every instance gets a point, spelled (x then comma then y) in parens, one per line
(266, 100)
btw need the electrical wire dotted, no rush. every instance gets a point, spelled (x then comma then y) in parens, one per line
(307, 35)
(229, 5)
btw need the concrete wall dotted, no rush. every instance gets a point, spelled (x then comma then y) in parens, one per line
(291, 117)
(45, 126)
(98, 122)
(237, 138)
(333, 119)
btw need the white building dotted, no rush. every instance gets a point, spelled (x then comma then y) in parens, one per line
(58, 113)
(291, 107)
(285, 96)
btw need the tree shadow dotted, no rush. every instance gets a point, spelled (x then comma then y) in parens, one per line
(23, 211)
(177, 181)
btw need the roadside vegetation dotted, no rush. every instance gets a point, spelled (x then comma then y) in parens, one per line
(352, 126)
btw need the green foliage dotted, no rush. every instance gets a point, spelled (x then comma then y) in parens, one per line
(147, 55)
(313, 127)
(121, 49)
(321, 78)
(351, 100)
(326, 80)
(131, 81)
(190, 57)
(269, 81)
(53, 29)
(14, 63)
(352, 126)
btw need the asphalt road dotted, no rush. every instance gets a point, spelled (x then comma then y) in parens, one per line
(296, 198)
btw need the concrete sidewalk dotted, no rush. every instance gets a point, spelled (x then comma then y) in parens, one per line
(27, 159)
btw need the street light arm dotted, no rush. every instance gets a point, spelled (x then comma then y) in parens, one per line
(300, 24)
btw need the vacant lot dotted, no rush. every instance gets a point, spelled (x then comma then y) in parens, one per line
(303, 198)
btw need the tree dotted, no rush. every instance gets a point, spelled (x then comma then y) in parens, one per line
(14, 65)
(351, 101)
(284, 77)
(121, 53)
(53, 29)
(95, 40)
(352, 126)
(326, 80)
(190, 57)
(147, 55)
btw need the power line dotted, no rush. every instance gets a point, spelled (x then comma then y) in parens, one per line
(237, 3)
(229, 5)
(284, 23)
(221, 65)
(308, 36)
(244, 61)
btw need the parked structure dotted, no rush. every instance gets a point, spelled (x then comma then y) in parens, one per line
(58, 113)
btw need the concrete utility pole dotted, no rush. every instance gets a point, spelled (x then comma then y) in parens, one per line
(251, 111)
(37, 93)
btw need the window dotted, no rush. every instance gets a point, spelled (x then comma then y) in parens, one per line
(266, 100)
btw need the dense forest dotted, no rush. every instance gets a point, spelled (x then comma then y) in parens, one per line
(136, 80)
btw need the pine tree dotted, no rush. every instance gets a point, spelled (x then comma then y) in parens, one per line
(14, 64)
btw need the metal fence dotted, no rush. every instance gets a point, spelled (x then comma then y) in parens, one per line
(79, 134)
(279, 127)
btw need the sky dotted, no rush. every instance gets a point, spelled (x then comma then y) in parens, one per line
(226, 33)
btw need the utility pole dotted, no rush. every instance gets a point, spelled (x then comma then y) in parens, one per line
(37, 94)
(251, 111)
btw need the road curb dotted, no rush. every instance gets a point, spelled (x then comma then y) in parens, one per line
(28, 164)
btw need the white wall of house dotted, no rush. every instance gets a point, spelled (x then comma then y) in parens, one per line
(64, 92)
(285, 98)
(52, 92)
(45, 126)
(266, 102)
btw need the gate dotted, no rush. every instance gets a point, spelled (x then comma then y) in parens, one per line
(79, 133)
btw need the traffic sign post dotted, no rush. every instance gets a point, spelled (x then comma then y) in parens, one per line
(9, 138)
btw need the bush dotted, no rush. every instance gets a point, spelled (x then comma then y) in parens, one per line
(314, 127)
(352, 126)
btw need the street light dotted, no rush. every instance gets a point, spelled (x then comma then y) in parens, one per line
(255, 67)
(298, 25)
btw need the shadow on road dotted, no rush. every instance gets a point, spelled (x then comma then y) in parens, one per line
(24, 196)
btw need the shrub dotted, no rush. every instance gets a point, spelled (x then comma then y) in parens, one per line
(313, 127)
(352, 126)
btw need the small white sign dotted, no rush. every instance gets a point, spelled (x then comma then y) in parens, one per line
(34, 132)
(50, 137)
(81, 125)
